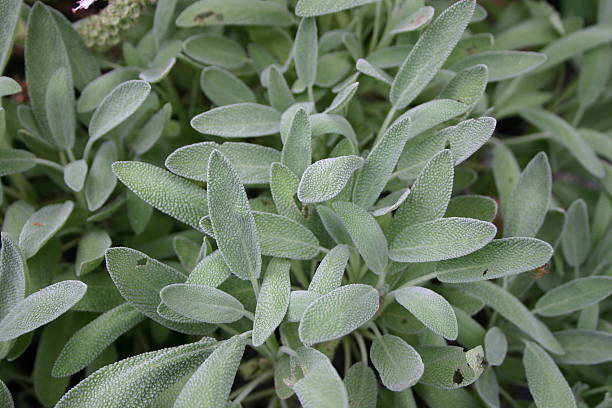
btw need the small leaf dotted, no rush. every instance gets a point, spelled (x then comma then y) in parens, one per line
(224, 88)
(472, 206)
(283, 186)
(12, 275)
(311, 8)
(117, 106)
(42, 226)
(91, 250)
(210, 385)
(450, 367)
(502, 65)
(574, 295)
(232, 12)
(321, 386)
(281, 97)
(238, 121)
(59, 106)
(576, 237)
(8, 86)
(232, 220)
(398, 364)
(101, 181)
(365, 234)
(91, 340)
(343, 98)
(297, 146)
(496, 346)
(338, 313)
(584, 347)
(468, 136)
(361, 386)
(41, 308)
(430, 308)
(468, 86)
(430, 52)
(74, 174)
(324, 123)
(216, 50)
(282, 237)
(273, 300)
(95, 91)
(366, 67)
(415, 21)
(150, 133)
(163, 190)
(15, 161)
(441, 239)
(328, 275)
(306, 51)
(499, 258)
(546, 382)
(299, 300)
(390, 202)
(325, 179)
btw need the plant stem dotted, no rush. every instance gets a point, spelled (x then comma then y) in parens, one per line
(245, 390)
(362, 346)
(50, 164)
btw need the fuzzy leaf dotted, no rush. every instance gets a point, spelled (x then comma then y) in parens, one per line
(576, 237)
(502, 65)
(430, 308)
(310, 8)
(9, 17)
(91, 249)
(283, 186)
(342, 98)
(152, 130)
(574, 295)
(282, 237)
(496, 346)
(74, 174)
(321, 386)
(297, 146)
(95, 91)
(328, 275)
(42, 226)
(212, 49)
(15, 161)
(361, 386)
(12, 275)
(306, 51)
(59, 106)
(415, 21)
(450, 367)
(238, 121)
(273, 300)
(234, 12)
(41, 308)
(325, 179)
(397, 363)
(281, 97)
(468, 86)
(584, 347)
(6, 400)
(202, 303)
(472, 206)
(224, 88)
(101, 181)
(468, 136)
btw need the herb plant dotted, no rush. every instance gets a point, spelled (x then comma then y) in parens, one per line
(317, 203)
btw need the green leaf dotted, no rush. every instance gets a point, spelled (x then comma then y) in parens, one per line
(41, 308)
(328, 275)
(299, 300)
(232, 12)
(297, 145)
(496, 346)
(594, 74)
(584, 347)
(469, 136)
(366, 235)
(429, 196)
(232, 220)
(137, 380)
(42, 226)
(74, 174)
(450, 367)
(101, 181)
(502, 65)
(390, 202)
(506, 173)
(379, 164)
(440, 239)
(472, 206)
(216, 50)
(499, 258)
(562, 132)
(15, 161)
(139, 212)
(273, 300)
(398, 364)
(468, 86)
(306, 51)
(546, 383)
(343, 98)
(429, 53)
(321, 386)
(529, 200)
(574, 295)
(366, 67)
(325, 179)
(513, 310)
(361, 386)
(163, 190)
(324, 123)
(282, 237)
(202, 303)
(281, 97)
(224, 88)
(576, 236)
(95, 91)
(487, 388)
(251, 161)
(211, 270)
(91, 340)
(338, 313)
(416, 20)
(310, 8)
(283, 186)
(59, 107)
(117, 106)
(91, 250)
(430, 308)
(158, 70)
(150, 133)
(6, 400)
(12, 276)
(9, 17)
(139, 279)
(238, 121)
(210, 385)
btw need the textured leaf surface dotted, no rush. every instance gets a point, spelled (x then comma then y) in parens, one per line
(328, 275)
(202, 303)
(306, 51)
(361, 386)
(41, 308)
(574, 295)
(450, 367)
(576, 237)
(338, 313)
(163, 190)
(238, 120)
(273, 300)
(234, 12)
(325, 179)
(212, 49)
(584, 347)
(283, 187)
(75, 173)
(101, 181)
(15, 161)
(468, 136)
(502, 64)
(397, 363)
(308, 8)
(224, 88)
(90, 251)
(321, 386)
(42, 226)
(282, 237)
(297, 146)
(59, 106)
(5, 396)
(496, 346)
(12, 275)
(430, 308)
(472, 206)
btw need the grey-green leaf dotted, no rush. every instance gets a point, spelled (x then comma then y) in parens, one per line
(430, 308)
(91, 250)
(232, 220)
(42, 226)
(273, 300)
(101, 181)
(502, 65)
(12, 275)
(496, 346)
(74, 174)
(325, 179)
(397, 363)
(338, 313)
(234, 12)
(574, 295)
(361, 386)
(468, 136)
(150, 133)
(224, 88)
(310, 8)
(59, 106)
(15, 161)
(202, 303)
(328, 275)
(9, 12)
(6, 400)
(95, 91)
(321, 386)
(297, 145)
(238, 121)
(546, 382)
(584, 347)
(212, 49)
(282, 237)
(576, 236)
(306, 51)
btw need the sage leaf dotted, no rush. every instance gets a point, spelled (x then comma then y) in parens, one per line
(91, 340)
(74, 174)
(41, 308)
(163, 190)
(211, 270)
(321, 386)
(546, 382)
(502, 65)
(450, 367)
(468, 86)
(202, 303)
(273, 300)
(281, 97)
(496, 346)
(283, 186)
(429, 53)
(95, 91)
(232, 220)
(238, 121)
(10, 12)
(325, 123)
(441, 239)
(328, 275)
(8, 86)
(342, 98)
(152, 130)
(15, 161)
(232, 12)
(584, 347)
(338, 313)
(211, 384)
(5, 396)
(366, 67)
(499, 258)
(430, 308)
(101, 181)
(282, 237)
(574, 295)
(59, 107)
(472, 206)
(299, 300)
(468, 136)
(117, 106)
(306, 51)
(42, 226)
(397, 363)
(506, 173)
(310, 8)
(297, 146)
(216, 50)
(325, 179)
(12, 275)
(224, 88)
(365, 234)
(390, 203)
(91, 250)
(415, 21)
(361, 386)
(576, 237)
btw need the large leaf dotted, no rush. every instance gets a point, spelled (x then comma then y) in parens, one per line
(234, 12)
(282, 237)
(224, 88)
(397, 363)
(361, 386)
(238, 121)
(583, 347)
(574, 295)
(9, 16)
(42, 226)
(338, 313)
(306, 51)
(101, 181)
(328, 275)
(212, 49)
(430, 308)
(325, 179)
(59, 107)
(502, 64)
(12, 275)
(91, 249)
(202, 303)
(310, 8)
(15, 161)
(468, 136)
(273, 300)
(41, 308)
(321, 386)
(297, 145)
(232, 219)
